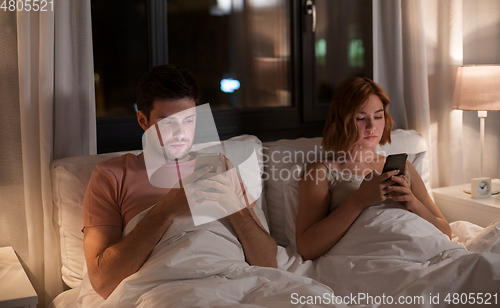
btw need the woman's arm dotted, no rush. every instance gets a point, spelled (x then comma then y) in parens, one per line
(417, 199)
(317, 231)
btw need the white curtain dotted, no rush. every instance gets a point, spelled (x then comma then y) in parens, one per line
(57, 108)
(417, 48)
(13, 230)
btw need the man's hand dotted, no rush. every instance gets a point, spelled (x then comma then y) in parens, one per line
(190, 178)
(219, 188)
(175, 203)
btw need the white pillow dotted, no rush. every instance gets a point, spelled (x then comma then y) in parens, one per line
(291, 190)
(70, 177)
(279, 157)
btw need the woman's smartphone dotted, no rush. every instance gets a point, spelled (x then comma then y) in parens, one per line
(203, 160)
(395, 162)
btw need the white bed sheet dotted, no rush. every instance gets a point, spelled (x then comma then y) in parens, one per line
(201, 266)
(388, 250)
(67, 299)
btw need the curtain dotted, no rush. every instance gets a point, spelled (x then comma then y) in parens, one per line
(417, 49)
(13, 230)
(57, 109)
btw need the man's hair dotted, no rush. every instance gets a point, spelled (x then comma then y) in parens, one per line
(165, 82)
(341, 132)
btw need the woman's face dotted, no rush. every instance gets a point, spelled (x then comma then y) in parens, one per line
(371, 122)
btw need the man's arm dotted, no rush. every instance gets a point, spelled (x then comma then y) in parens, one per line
(258, 245)
(110, 259)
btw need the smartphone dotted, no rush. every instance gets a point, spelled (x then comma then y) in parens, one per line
(203, 160)
(395, 162)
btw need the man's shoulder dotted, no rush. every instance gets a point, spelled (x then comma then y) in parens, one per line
(118, 165)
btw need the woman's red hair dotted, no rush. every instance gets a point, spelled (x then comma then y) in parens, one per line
(341, 132)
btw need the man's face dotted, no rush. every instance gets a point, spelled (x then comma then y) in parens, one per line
(175, 121)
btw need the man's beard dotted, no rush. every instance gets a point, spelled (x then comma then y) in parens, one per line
(178, 155)
(183, 155)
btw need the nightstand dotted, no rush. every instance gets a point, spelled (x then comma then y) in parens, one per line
(16, 290)
(457, 205)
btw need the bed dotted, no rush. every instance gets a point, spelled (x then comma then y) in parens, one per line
(386, 253)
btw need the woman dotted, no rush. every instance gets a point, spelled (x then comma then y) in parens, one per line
(357, 122)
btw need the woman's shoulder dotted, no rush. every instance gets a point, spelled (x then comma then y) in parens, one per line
(317, 165)
(324, 165)
(379, 157)
(325, 170)
(411, 169)
(331, 166)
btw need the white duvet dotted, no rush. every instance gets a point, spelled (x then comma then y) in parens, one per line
(388, 254)
(202, 267)
(393, 252)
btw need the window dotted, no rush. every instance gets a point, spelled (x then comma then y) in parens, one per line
(238, 51)
(121, 54)
(343, 44)
(340, 47)
(258, 63)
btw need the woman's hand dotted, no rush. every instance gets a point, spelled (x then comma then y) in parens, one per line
(373, 190)
(416, 198)
(402, 192)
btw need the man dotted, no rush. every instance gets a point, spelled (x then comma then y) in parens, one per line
(120, 189)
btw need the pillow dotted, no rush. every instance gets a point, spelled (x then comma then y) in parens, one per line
(279, 157)
(281, 160)
(70, 177)
(291, 191)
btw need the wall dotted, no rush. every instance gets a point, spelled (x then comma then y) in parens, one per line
(13, 230)
(481, 45)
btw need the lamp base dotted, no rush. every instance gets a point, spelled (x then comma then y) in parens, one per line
(493, 192)
(495, 187)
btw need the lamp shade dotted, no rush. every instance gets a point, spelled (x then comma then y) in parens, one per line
(477, 88)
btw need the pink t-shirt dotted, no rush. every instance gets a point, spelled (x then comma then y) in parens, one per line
(119, 189)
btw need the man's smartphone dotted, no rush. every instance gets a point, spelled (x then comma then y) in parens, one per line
(203, 160)
(395, 162)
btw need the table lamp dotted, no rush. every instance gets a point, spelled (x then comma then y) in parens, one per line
(478, 88)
